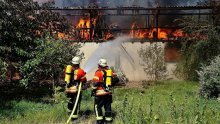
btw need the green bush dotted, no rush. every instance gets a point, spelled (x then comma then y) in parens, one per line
(201, 45)
(3, 69)
(209, 79)
(153, 61)
(49, 60)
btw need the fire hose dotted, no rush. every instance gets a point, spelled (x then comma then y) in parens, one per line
(76, 102)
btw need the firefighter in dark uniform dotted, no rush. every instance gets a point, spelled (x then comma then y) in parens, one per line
(102, 85)
(76, 75)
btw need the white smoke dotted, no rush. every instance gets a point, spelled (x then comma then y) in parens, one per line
(108, 50)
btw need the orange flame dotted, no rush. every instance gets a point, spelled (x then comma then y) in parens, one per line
(162, 33)
(140, 34)
(83, 25)
(136, 32)
(84, 30)
(178, 33)
(108, 36)
(159, 33)
(60, 35)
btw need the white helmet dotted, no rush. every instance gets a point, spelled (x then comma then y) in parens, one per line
(102, 62)
(76, 60)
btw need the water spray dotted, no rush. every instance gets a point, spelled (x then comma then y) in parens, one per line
(108, 50)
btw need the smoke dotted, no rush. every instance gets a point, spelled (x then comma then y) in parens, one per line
(164, 20)
(108, 50)
(124, 3)
(71, 3)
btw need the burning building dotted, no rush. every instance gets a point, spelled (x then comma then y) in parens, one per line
(98, 20)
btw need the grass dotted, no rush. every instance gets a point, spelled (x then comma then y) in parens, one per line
(168, 102)
(26, 112)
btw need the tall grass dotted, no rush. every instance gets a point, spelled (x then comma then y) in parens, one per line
(25, 112)
(169, 102)
(30, 112)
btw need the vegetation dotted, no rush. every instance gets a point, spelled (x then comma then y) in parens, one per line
(30, 47)
(153, 61)
(200, 46)
(29, 44)
(168, 102)
(209, 79)
(3, 69)
(48, 62)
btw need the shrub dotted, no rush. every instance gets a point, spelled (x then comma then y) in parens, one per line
(49, 60)
(3, 69)
(153, 61)
(209, 79)
(201, 45)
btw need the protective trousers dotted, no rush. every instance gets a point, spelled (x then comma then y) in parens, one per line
(105, 101)
(71, 103)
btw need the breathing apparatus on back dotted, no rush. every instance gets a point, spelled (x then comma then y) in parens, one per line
(68, 74)
(71, 76)
(107, 74)
(107, 79)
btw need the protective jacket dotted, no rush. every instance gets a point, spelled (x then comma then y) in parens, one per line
(73, 77)
(77, 75)
(102, 81)
(102, 85)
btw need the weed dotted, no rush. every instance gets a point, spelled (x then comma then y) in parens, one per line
(167, 103)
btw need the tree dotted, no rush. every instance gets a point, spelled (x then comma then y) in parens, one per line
(153, 61)
(21, 23)
(200, 46)
(27, 39)
(49, 60)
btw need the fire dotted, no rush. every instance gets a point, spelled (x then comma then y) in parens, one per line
(83, 26)
(136, 32)
(157, 33)
(61, 35)
(162, 35)
(108, 36)
(86, 29)
(178, 33)
(65, 36)
(80, 31)
(84, 23)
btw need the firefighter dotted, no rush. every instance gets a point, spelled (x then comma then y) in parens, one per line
(102, 90)
(76, 76)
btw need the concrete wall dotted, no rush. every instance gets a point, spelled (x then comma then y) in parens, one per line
(130, 61)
